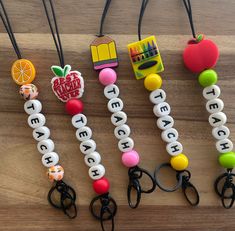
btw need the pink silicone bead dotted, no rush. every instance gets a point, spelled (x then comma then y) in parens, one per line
(107, 76)
(130, 159)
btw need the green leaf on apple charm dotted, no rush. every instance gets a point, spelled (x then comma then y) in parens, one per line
(67, 69)
(200, 37)
(58, 71)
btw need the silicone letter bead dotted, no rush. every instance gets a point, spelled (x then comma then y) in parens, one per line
(153, 82)
(179, 162)
(207, 78)
(165, 122)
(32, 106)
(115, 105)
(221, 132)
(130, 159)
(122, 131)
(224, 145)
(74, 106)
(217, 119)
(170, 135)
(41, 133)
(111, 91)
(79, 120)
(211, 92)
(92, 159)
(162, 109)
(50, 159)
(101, 186)
(214, 105)
(96, 172)
(46, 146)
(88, 146)
(157, 96)
(126, 145)
(107, 76)
(227, 160)
(174, 148)
(36, 120)
(83, 133)
(118, 118)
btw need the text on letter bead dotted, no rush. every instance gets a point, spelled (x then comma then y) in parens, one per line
(221, 132)
(79, 120)
(157, 96)
(162, 109)
(88, 146)
(41, 133)
(165, 122)
(96, 172)
(83, 133)
(50, 159)
(211, 92)
(118, 118)
(36, 120)
(45, 146)
(170, 135)
(217, 119)
(122, 131)
(111, 91)
(225, 145)
(32, 106)
(214, 105)
(92, 159)
(126, 145)
(115, 105)
(174, 148)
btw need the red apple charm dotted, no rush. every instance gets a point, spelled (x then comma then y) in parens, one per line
(67, 84)
(200, 54)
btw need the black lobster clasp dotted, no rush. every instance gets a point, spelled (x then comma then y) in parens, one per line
(107, 209)
(225, 188)
(135, 174)
(67, 198)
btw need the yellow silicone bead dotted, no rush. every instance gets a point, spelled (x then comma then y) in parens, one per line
(153, 82)
(179, 162)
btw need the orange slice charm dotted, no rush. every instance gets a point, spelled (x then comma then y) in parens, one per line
(23, 71)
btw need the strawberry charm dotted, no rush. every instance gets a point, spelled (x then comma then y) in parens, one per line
(67, 84)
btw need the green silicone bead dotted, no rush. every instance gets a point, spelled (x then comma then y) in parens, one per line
(208, 78)
(227, 160)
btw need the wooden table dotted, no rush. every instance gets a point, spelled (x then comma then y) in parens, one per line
(24, 186)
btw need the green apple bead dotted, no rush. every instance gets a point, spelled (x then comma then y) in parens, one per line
(207, 78)
(227, 160)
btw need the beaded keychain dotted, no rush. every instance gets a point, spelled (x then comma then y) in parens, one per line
(104, 58)
(200, 56)
(146, 62)
(68, 86)
(23, 73)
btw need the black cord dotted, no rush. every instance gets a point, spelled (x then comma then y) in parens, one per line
(7, 25)
(142, 9)
(106, 7)
(56, 37)
(188, 8)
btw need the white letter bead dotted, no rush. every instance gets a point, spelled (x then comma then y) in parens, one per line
(41, 133)
(50, 159)
(88, 146)
(118, 118)
(96, 172)
(32, 106)
(174, 148)
(211, 92)
(157, 96)
(126, 145)
(36, 120)
(83, 133)
(79, 120)
(45, 146)
(224, 146)
(111, 91)
(170, 135)
(162, 109)
(217, 119)
(221, 132)
(165, 122)
(122, 131)
(214, 105)
(115, 105)
(92, 159)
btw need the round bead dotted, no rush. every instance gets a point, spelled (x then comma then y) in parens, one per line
(79, 120)
(41, 133)
(217, 119)
(153, 82)
(207, 78)
(88, 146)
(162, 109)
(221, 132)
(214, 105)
(179, 162)
(130, 159)
(101, 186)
(157, 96)
(32, 106)
(211, 92)
(126, 145)
(165, 122)
(115, 105)
(225, 145)
(174, 148)
(45, 146)
(111, 91)
(36, 120)
(55, 173)
(83, 133)
(28, 91)
(107, 76)
(170, 135)
(50, 159)
(227, 160)
(122, 131)
(119, 118)
(74, 106)
(92, 159)
(96, 172)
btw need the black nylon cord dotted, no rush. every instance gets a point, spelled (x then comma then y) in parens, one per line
(188, 8)
(142, 10)
(7, 25)
(56, 36)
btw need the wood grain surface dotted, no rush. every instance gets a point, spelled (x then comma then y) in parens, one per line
(24, 186)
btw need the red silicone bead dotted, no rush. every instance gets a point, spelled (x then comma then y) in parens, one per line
(74, 106)
(101, 186)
